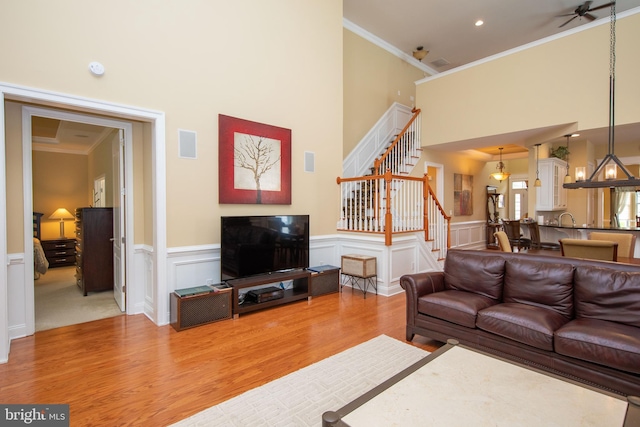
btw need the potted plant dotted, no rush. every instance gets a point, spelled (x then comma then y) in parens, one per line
(561, 152)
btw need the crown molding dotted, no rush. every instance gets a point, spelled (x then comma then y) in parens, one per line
(386, 46)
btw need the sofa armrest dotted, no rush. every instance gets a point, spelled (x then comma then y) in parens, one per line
(415, 286)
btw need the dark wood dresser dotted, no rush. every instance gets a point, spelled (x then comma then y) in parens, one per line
(60, 252)
(94, 249)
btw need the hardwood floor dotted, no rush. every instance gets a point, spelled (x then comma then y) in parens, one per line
(126, 370)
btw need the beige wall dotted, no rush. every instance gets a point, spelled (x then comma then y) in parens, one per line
(15, 188)
(562, 81)
(100, 164)
(59, 181)
(277, 62)
(373, 80)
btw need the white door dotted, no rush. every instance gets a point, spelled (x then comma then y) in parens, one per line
(119, 194)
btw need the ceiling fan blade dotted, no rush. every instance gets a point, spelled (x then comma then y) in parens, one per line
(601, 7)
(590, 17)
(568, 21)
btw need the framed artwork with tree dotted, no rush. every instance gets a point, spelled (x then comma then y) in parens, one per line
(254, 162)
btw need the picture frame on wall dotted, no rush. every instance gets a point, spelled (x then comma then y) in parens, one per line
(254, 162)
(462, 194)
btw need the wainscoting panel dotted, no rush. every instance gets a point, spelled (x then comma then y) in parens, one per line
(193, 266)
(17, 296)
(468, 235)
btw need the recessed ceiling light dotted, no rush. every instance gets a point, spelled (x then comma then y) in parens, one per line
(479, 22)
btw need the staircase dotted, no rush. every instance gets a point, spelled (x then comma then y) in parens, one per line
(385, 198)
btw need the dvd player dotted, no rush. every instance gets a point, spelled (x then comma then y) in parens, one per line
(265, 294)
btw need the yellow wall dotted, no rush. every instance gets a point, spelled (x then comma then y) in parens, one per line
(59, 181)
(100, 164)
(276, 62)
(373, 80)
(562, 81)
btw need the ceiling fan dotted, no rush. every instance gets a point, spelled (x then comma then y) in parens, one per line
(583, 10)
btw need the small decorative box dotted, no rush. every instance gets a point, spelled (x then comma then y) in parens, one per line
(359, 265)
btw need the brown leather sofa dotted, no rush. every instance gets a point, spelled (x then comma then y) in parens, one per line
(573, 317)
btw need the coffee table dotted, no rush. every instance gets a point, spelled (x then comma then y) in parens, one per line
(460, 386)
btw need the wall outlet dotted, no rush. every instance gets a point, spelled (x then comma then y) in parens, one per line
(210, 282)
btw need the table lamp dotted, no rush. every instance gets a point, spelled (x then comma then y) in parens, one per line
(61, 214)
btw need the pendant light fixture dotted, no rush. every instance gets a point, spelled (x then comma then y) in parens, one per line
(611, 180)
(420, 53)
(501, 174)
(537, 182)
(567, 177)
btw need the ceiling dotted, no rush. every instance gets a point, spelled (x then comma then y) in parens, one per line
(64, 136)
(446, 29)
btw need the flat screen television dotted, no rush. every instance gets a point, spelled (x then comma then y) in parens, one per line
(253, 245)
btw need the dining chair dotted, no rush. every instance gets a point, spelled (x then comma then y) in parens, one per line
(534, 234)
(503, 241)
(626, 241)
(512, 228)
(604, 250)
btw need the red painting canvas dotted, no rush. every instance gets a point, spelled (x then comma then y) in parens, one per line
(254, 162)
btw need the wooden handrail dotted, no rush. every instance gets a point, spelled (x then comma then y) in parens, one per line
(385, 203)
(440, 209)
(378, 162)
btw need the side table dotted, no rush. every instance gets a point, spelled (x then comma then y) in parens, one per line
(325, 279)
(200, 305)
(60, 252)
(360, 271)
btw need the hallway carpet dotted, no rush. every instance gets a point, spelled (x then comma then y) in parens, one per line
(59, 301)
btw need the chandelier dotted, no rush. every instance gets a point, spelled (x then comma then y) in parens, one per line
(500, 174)
(610, 175)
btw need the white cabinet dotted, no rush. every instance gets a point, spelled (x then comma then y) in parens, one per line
(551, 196)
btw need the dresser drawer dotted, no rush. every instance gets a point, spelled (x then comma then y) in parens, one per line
(60, 252)
(55, 245)
(59, 261)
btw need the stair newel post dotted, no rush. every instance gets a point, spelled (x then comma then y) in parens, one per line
(425, 212)
(388, 219)
(376, 166)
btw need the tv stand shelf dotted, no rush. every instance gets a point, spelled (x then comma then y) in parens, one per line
(299, 290)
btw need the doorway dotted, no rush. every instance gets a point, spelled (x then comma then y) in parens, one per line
(518, 198)
(66, 154)
(93, 152)
(147, 291)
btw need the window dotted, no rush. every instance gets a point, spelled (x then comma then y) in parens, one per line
(519, 197)
(628, 207)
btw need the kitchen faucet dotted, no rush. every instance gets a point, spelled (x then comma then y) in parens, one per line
(573, 221)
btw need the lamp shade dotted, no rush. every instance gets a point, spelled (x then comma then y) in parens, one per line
(61, 213)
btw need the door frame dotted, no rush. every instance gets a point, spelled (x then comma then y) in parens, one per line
(154, 296)
(28, 112)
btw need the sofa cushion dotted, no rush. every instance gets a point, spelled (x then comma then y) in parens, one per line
(472, 273)
(599, 341)
(548, 285)
(607, 295)
(458, 307)
(524, 323)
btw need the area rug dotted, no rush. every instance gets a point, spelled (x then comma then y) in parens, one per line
(59, 301)
(300, 398)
